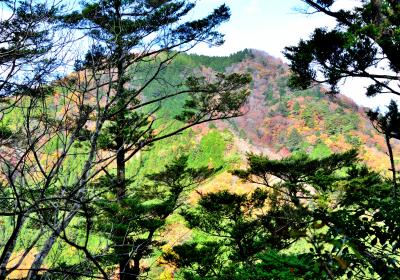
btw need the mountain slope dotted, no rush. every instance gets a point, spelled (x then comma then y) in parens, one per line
(279, 121)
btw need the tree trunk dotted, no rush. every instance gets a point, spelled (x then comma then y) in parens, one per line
(120, 185)
(392, 165)
(136, 267)
(41, 256)
(10, 245)
(127, 272)
(125, 268)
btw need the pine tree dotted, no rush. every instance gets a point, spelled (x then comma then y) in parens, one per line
(26, 43)
(133, 43)
(142, 213)
(330, 203)
(296, 108)
(388, 124)
(362, 38)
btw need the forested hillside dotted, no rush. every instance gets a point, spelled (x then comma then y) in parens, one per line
(277, 122)
(125, 156)
(280, 121)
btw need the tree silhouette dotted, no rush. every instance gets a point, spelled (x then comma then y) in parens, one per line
(388, 124)
(364, 38)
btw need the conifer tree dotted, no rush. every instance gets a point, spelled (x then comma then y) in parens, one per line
(388, 124)
(294, 140)
(363, 37)
(330, 203)
(26, 46)
(132, 43)
(269, 219)
(143, 213)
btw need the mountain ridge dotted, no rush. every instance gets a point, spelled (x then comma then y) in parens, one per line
(280, 121)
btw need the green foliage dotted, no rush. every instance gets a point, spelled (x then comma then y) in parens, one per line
(334, 122)
(5, 132)
(269, 96)
(232, 96)
(240, 234)
(212, 126)
(308, 116)
(26, 38)
(355, 141)
(321, 150)
(243, 229)
(273, 265)
(282, 86)
(210, 151)
(122, 93)
(347, 217)
(300, 171)
(354, 46)
(129, 224)
(174, 76)
(388, 123)
(296, 108)
(357, 228)
(220, 64)
(294, 140)
(282, 109)
(13, 119)
(341, 123)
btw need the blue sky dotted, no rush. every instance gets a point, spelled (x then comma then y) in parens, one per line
(270, 25)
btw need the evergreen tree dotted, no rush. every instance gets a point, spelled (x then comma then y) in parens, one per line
(27, 42)
(330, 203)
(133, 43)
(282, 108)
(308, 116)
(388, 125)
(296, 108)
(294, 140)
(144, 212)
(363, 37)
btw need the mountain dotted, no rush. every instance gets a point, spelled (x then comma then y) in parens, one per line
(279, 121)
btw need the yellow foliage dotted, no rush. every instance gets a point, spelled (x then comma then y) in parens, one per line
(312, 139)
(223, 181)
(22, 270)
(374, 159)
(168, 273)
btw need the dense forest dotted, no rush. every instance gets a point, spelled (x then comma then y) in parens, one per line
(124, 155)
